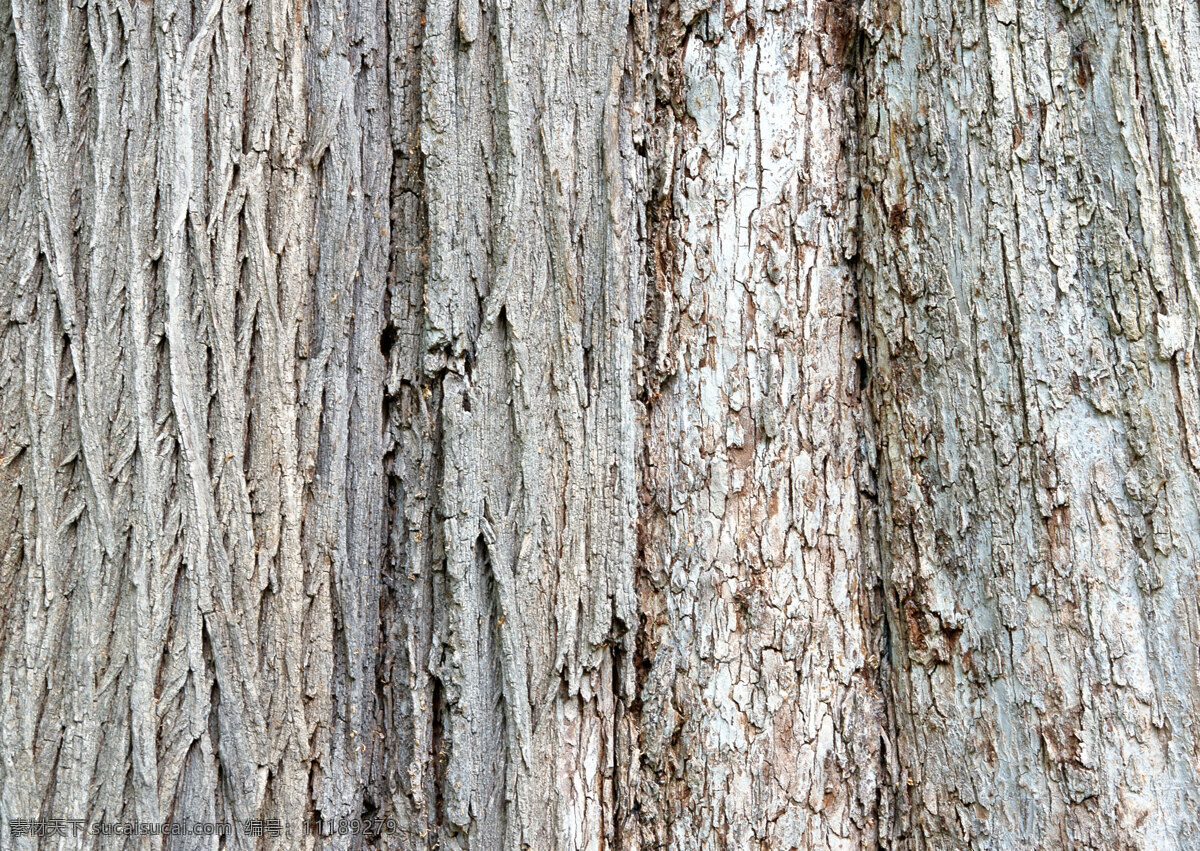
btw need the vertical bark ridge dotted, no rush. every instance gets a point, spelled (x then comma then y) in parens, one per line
(202, 505)
(761, 712)
(21, 268)
(1029, 268)
(512, 480)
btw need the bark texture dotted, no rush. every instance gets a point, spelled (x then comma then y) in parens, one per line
(623, 424)
(512, 435)
(1029, 264)
(196, 257)
(761, 708)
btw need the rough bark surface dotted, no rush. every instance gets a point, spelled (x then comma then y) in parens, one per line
(761, 708)
(1029, 263)
(196, 257)
(456, 413)
(512, 466)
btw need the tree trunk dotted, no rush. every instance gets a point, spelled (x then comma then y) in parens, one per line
(761, 711)
(607, 425)
(1029, 264)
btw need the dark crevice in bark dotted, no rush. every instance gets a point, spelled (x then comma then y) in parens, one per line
(659, 52)
(854, 47)
(438, 745)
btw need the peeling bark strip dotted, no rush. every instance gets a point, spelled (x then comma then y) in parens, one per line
(456, 414)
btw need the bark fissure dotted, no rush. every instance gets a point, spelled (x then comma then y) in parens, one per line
(675, 424)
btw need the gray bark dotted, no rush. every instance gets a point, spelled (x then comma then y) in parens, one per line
(748, 424)
(1029, 276)
(761, 712)
(197, 258)
(512, 473)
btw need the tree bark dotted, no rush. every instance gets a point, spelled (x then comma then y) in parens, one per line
(512, 469)
(1029, 268)
(193, 423)
(761, 707)
(609, 425)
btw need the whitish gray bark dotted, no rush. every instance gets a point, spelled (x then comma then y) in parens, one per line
(761, 712)
(457, 413)
(1029, 266)
(193, 497)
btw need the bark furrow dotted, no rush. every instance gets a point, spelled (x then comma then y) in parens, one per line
(663, 424)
